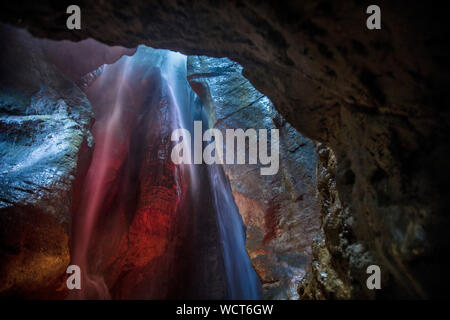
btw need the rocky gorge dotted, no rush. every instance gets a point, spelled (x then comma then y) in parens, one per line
(374, 104)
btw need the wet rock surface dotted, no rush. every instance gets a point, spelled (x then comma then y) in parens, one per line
(279, 211)
(152, 236)
(44, 126)
(46, 145)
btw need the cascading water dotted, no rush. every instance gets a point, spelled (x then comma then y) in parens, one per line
(243, 282)
(184, 108)
(141, 219)
(242, 279)
(108, 146)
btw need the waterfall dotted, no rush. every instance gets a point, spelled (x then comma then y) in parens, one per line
(108, 142)
(145, 97)
(243, 282)
(174, 73)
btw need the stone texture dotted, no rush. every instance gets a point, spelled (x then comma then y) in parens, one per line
(377, 98)
(280, 211)
(78, 59)
(334, 246)
(153, 237)
(44, 126)
(46, 144)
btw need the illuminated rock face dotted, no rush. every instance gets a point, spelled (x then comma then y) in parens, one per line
(132, 191)
(44, 152)
(280, 211)
(146, 228)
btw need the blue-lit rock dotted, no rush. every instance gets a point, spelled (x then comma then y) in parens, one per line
(280, 211)
(44, 129)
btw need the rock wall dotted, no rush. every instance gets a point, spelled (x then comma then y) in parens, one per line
(280, 211)
(334, 248)
(44, 127)
(46, 145)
